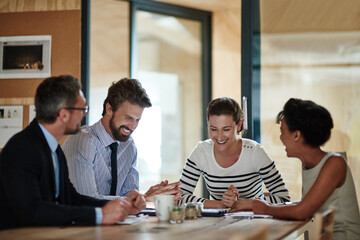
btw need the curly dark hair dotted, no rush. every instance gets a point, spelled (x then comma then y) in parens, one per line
(53, 94)
(225, 106)
(123, 90)
(312, 120)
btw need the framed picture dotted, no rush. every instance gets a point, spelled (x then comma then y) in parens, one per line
(25, 56)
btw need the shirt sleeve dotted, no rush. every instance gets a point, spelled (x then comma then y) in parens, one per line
(271, 177)
(189, 178)
(99, 215)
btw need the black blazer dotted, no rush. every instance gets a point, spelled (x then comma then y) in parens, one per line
(27, 186)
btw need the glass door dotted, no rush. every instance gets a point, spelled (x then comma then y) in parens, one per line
(167, 57)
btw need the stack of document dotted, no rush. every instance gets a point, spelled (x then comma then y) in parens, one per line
(245, 215)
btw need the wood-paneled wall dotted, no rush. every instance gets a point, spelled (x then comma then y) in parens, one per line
(226, 50)
(110, 42)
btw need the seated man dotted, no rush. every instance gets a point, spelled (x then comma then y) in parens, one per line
(102, 157)
(34, 181)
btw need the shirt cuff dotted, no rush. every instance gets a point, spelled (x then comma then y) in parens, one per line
(98, 215)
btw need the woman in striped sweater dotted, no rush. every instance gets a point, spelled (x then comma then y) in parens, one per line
(233, 168)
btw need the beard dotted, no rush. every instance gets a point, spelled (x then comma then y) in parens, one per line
(116, 132)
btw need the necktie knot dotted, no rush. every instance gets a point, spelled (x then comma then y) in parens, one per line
(113, 146)
(58, 150)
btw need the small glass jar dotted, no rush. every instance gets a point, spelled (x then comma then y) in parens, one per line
(177, 214)
(191, 211)
(199, 208)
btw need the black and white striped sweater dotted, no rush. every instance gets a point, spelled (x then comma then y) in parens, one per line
(253, 168)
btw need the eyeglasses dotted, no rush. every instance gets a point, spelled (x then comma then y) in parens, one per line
(84, 109)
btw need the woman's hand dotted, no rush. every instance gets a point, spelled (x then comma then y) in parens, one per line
(259, 206)
(230, 197)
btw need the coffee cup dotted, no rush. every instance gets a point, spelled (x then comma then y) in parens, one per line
(163, 206)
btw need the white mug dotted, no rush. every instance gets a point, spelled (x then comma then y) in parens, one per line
(163, 205)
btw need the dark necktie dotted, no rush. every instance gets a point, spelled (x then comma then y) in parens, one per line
(113, 148)
(61, 160)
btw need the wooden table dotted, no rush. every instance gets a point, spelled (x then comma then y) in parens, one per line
(206, 228)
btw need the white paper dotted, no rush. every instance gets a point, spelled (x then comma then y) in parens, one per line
(132, 219)
(245, 124)
(11, 122)
(32, 113)
(246, 215)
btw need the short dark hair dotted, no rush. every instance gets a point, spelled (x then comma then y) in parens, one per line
(53, 94)
(312, 120)
(225, 106)
(123, 90)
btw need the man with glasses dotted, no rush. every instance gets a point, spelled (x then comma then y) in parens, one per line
(84, 110)
(102, 157)
(34, 184)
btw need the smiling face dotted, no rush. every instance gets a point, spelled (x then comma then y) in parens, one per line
(222, 131)
(287, 138)
(124, 121)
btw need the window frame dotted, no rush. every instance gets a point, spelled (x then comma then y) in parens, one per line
(251, 66)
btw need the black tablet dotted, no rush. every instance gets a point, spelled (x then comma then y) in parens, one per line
(149, 211)
(213, 212)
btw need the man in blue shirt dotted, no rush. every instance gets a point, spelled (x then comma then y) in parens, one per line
(34, 183)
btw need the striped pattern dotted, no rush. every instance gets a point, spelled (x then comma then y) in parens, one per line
(89, 160)
(253, 168)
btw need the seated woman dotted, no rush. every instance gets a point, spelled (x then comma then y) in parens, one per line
(234, 168)
(327, 180)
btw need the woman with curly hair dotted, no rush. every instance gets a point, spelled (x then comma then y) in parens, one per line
(326, 177)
